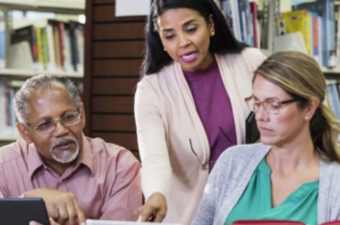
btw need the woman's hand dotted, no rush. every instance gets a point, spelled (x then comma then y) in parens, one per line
(154, 209)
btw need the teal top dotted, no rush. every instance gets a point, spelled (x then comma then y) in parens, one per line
(256, 201)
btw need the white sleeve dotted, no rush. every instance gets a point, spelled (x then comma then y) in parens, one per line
(156, 168)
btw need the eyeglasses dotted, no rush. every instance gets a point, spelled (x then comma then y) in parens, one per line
(204, 166)
(48, 126)
(270, 105)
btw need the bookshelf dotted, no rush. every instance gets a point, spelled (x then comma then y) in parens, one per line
(24, 74)
(331, 74)
(9, 138)
(13, 76)
(46, 5)
(335, 71)
(267, 35)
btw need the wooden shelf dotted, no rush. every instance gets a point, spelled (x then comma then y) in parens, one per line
(24, 74)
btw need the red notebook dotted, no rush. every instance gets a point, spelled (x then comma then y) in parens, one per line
(277, 222)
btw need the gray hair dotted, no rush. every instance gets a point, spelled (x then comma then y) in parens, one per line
(41, 82)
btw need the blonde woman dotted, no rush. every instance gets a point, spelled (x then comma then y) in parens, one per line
(294, 173)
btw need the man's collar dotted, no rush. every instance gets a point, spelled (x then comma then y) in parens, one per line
(35, 161)
(85, 155)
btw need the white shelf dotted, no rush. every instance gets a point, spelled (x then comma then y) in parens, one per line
(18, 2)
(334, 71)
(20, 73)
(72, 5)
(9, 138)
(9, 134)
(68, 4)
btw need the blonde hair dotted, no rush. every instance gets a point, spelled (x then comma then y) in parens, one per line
(301, 77)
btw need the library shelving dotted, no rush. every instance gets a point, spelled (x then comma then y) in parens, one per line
(15, 76)
(43, 5)
(24, 74)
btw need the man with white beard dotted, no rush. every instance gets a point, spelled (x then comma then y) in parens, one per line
(78, 177)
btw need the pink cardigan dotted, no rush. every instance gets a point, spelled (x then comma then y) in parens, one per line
(166, 119)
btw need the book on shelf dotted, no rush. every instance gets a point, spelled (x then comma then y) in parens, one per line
(253, 9)
(26, 34)
(225, 6)
(55, 46)
(317, 21)
(317, 38)
(337, 30)
(334, 99)
(241, 16)
(325, 9)
(296, 21)
(7, 116)
(2, 44)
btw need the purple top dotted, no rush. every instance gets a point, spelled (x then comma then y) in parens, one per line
(214, 108)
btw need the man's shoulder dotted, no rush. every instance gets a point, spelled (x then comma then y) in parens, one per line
(14, 151)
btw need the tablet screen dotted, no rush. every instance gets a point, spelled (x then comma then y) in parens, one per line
(20, 211)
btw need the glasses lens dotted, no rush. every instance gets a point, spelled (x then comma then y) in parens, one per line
(70, 119)
(251, 104)
(46, 126)
(272, 105)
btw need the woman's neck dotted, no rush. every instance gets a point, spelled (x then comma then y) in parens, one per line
(202, 72)
(292, 157)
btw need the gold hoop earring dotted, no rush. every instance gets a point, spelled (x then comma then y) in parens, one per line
(212, 33)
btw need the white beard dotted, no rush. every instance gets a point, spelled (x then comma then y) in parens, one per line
(67, 155)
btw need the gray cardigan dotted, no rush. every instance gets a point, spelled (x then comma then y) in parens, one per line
(231, 175)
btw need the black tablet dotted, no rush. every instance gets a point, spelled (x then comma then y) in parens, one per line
(20, 211)
(252, 133)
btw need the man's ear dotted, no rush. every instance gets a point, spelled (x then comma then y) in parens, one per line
(24, 133)
(83, 117)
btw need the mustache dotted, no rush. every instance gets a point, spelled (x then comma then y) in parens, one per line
(64, 140)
